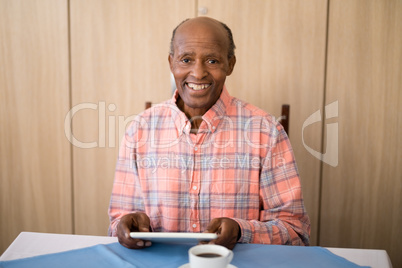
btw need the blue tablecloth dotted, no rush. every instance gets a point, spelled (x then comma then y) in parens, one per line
(175, 255)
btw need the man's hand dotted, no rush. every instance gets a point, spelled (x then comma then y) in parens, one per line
(227, 230)
(134, 222)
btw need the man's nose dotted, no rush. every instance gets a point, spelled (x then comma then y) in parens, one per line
(199, 71)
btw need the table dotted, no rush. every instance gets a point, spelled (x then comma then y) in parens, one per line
(29, 244)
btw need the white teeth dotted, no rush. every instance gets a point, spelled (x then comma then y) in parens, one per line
(197, 87)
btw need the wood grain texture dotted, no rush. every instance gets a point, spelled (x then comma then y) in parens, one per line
(35, 167)
(362, 197)
(280, 60)
(119, 58)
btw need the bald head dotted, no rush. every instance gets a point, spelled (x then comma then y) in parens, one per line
(209, 24)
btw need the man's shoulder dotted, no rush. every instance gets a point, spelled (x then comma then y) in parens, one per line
(159, 109)
(245, 109)
(155, 112)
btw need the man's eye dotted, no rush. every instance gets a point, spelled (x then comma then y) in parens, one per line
(212, 61)
(185, 60)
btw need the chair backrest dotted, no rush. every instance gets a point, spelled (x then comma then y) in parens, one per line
(284, 115)
(148, 104)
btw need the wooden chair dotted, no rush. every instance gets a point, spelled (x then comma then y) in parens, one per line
(148, 105)
(284, 115)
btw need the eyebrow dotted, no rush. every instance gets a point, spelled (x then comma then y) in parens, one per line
(213, 55)
(186, 54)
(209, 55)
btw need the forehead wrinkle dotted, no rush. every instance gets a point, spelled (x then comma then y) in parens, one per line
(207, 54)
(200, 36)
(199, 41)
(209, 48)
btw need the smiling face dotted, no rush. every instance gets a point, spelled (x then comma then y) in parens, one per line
(200, 63)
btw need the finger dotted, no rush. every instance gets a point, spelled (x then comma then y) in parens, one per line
(126, 240)
(126, 231)
(213, 226)
(123, 232)
(143, 226)
(228, 234)
(142, 222)
(130, 223)
(133, 243)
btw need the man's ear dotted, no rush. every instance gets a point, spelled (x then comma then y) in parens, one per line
(232, 62)
(170, 59)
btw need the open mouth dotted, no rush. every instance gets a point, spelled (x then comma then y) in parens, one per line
(197, 87)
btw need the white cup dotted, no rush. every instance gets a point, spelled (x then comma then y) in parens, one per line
(211, 256)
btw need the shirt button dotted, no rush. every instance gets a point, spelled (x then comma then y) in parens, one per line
(196, 148)
(194, 225)
(194, 187)
(213, 127)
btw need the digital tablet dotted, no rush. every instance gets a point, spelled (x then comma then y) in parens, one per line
(173, 237)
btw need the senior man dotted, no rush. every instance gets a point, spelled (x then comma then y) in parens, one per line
(205, 161)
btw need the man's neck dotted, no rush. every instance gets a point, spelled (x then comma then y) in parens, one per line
(193, 114)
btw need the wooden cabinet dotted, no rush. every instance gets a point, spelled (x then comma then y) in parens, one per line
(35, 156)
(362, 196)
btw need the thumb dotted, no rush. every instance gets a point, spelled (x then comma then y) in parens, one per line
(143, 226)
(213, 226)
(126, 232)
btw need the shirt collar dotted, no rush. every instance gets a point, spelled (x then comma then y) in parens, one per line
(211, 118)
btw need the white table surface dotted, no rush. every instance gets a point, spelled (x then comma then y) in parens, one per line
(29, 244)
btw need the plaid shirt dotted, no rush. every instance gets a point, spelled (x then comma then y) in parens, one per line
(239, 165)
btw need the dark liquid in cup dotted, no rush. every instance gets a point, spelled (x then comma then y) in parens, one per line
(209, 255)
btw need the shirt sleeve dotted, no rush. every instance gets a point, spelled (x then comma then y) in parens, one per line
(283, 218)
(126, 194)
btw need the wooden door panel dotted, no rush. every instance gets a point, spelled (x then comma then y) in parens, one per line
(35, 162)
(362, 196)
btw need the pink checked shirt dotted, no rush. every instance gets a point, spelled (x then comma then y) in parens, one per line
(239, 165)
